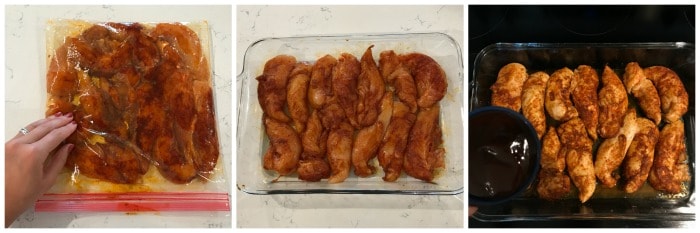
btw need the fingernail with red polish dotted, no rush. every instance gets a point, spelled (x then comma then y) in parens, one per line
(70, 114)
(70, 147)
(57, 114)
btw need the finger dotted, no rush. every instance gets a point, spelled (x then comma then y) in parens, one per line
(54, 138)
(33, 125)
(472, 210)
(57, 162)
(41, 130)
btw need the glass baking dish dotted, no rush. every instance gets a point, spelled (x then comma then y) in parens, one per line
(606, 203)
(252, 141)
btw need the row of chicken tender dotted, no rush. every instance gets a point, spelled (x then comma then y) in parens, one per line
(324, 118)
(631, 146)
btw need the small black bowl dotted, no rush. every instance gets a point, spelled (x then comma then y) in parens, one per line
(504, 155)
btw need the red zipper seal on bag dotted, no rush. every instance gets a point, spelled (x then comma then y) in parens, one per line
(133, 202)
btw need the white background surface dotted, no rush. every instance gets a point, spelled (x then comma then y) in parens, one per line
(341, 210)
(24, 98)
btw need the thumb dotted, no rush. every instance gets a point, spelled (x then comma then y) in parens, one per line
(57, 163)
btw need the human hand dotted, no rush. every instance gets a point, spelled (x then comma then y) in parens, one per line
(33, 160)
(472, 210)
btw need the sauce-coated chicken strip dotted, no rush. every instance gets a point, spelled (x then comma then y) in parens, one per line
(320, 87)
(553, 182)
(533, 101)
(141, 97)
(272, 86)
(205, 138)
(643, 90)
(311, 137)
(393, 147)
(313, 165)
(551, 156)
(668, 171)
(331, 114)
(612, 151)
(122, 165)
(370, 89)
(423, 157)
(584, 92)
(640, 155)
(579, 157)
(612, 101)
(285, 147)
(507, 90)
(344, 83)
(297, 90)
(430, 79)
(313, 170)
(91, 76)
(557, 100)
(389, 62)
(61, 76)
(369, 138)
(674, 97)
(397, 75)
(179, 48)
(339, 152)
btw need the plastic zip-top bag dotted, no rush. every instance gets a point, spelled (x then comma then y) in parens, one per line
(142, 97)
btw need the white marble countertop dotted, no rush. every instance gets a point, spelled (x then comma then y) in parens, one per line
(345, 210)
(24, 103)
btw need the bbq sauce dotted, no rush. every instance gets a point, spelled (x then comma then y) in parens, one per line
(500, 155)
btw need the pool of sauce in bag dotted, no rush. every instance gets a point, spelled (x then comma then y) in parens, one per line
(498, 155)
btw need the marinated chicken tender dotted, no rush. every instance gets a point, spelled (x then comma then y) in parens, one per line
(612, 101)
(393, 148)
(272, 86)
(643, 90)
(370, 90)
(533, 101)
(396, 74)
(139, 97)
(344, 83)
(668, 171)
(612, 151)
(430, 79)
(312, 164)
(296, 96)
(369, 139)
(320, 87)
(285, 147)
(558, 95)
(349, 114)
(507, 90)
(674, 97)
(640, 155)
(339, 152)
(585, 96)
(553, 182)
(423, 156)
(579, 157)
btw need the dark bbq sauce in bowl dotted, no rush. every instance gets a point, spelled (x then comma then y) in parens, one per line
(503, 154)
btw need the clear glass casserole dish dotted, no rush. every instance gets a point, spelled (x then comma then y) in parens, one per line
(606, 203)
(252, 141)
